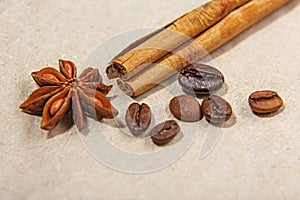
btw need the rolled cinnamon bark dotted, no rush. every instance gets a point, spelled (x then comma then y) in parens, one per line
(233, 24)
(159, 43)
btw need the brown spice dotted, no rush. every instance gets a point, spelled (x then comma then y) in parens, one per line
(156, 45)
(61, 90)
(230, 26)
(265, 101)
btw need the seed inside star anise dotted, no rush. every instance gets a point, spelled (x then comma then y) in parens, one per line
(61, 91)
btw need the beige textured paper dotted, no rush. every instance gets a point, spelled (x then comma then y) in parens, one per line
(257, 158)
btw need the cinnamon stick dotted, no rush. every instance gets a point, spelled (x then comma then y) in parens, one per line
(233, 24)
(159, 43)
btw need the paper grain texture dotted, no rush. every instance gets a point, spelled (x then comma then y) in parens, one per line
(257, 158)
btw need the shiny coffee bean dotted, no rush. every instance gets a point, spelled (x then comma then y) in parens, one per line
(138, 118)
(200, 79)
(216, 110)
(185, 108)
(265, 101)
(164, 132)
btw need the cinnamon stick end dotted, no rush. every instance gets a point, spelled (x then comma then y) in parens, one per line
(115, 70)
(126, 88)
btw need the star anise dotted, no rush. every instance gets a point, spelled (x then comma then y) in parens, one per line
(62, 91)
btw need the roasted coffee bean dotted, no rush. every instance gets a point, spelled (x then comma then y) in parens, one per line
(200, 79)
(138, 118)
(185, 108)
(265, 101)
(164, 132)
(216, 110)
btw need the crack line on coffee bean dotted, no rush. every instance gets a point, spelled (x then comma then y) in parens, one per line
(216, 108)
